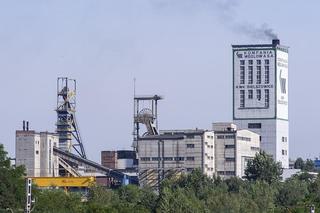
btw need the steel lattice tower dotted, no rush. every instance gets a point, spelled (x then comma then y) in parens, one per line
(67, 126)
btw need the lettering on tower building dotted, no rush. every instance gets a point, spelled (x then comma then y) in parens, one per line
(256, 54)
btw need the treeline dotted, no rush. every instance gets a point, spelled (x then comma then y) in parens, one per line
(261, 191)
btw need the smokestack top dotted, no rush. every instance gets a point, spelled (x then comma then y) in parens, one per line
(275, 42)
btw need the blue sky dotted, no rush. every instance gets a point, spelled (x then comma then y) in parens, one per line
(177, 48)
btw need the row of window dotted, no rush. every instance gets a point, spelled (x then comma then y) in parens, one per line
(243, 138)
(225, 136)
(250, 62)
(258, 95)
(255, 148)
(254, 125)
(166, 159)
(226, 173)
(284, 139)
(258, 75)
(230, 159)
(232, 137)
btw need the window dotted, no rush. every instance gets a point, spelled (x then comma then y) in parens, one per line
(241, 62)
(259, 62)
(242, 74)
(190, 158)
(190, 169)
(254, 125)
(284, 152)
(250, 75)
(229, 146)
(190, 136)
(190, 145)
(258, 74)
(220, 172)
(167, 158)
(230, 159)
(250, 94)
(266, 61)
(145, 159)
(229, 136)
(242, 102)
(258, 94)
(255, 148)
(230, 173)
(250, 62)
(179, 158)
(156, 159)
(220, 136)
(37, 152)
(243, 138)
(266, 98)
(266, 75)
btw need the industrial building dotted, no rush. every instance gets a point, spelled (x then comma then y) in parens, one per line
(34, 150)
(176, 151)
(122, 160)
(233, 149)
(223, 151)
(260, 95)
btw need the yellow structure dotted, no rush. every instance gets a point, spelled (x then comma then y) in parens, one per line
(64, 181)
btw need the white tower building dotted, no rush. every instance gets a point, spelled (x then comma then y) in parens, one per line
(260, 95)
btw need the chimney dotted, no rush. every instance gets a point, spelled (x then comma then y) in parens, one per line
(275, 42)
(24, 125)
(27, 125)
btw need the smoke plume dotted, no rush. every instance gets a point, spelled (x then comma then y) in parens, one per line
(263, 32)
(226, 12)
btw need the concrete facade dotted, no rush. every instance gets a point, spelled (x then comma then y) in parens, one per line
(35, 151)
(224, 150)
(233, 149)
(175, 151)
(260, 95)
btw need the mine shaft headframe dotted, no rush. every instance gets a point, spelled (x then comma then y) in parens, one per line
(67, 126)
(147, 115)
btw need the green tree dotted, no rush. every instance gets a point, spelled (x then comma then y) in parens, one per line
(299, 163)
(12, 183)
(291, 193)
(102, 200)
(309, 166)
(263, 167)
(57, 201)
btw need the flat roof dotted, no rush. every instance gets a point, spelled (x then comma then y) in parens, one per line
(162, 137)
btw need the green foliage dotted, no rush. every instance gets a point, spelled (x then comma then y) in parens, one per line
(307, 165)
(263, 168)
(52, 201)
(261, 192)
(292, 192)
(299, 163)
(12, 184)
